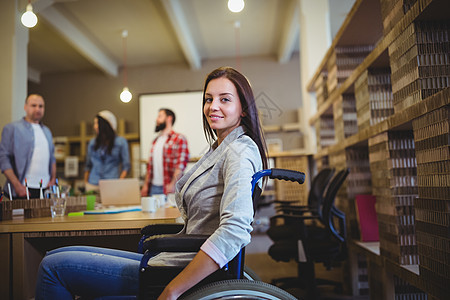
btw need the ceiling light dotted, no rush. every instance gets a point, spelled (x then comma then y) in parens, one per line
(236, 5)
(29, 19)
(126, 95)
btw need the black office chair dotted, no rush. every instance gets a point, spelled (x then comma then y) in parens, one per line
(314, 207)
(225, 283)
(308, 248)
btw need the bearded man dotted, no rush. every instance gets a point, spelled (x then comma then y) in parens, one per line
(169, 156)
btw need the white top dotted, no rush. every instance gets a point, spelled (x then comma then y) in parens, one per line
(38, 168)
(158, 168)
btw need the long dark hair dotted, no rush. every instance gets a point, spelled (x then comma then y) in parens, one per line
(106, 135)
(250, 121)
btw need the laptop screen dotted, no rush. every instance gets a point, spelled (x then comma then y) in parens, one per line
(120, 192)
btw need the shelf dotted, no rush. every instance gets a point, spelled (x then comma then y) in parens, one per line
(395, 121)
(287, 127)
(271, 128)
(291, 127)
(371, 250)
(77, 139)
(375, 58)
(362, 26)
(297, 152)
(63, 160)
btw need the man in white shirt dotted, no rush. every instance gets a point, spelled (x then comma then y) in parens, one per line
(27, 151)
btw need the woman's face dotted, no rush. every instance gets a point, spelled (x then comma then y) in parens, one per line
(96, 126)
(222, 107)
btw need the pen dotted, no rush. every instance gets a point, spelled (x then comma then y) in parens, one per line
(41, 196)
(26, 187)
(57, 188)
(9, 190)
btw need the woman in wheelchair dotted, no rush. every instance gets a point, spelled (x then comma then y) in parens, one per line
(214, 198)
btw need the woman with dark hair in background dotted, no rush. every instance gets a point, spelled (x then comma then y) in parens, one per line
(106, 152)
(214, 198)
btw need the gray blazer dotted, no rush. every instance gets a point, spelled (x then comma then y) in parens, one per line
(215, 197)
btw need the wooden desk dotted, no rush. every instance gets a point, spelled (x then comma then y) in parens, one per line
(24, 242)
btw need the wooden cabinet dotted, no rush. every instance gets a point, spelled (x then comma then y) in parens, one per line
(383, 112)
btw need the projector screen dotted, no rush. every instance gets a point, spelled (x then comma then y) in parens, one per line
(187, 107)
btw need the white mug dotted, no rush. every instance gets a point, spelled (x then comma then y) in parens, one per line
(161, 198)
(148, 204)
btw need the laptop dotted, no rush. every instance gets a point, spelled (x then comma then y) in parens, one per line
(119, 192)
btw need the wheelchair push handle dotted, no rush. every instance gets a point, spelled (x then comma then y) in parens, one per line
(288, 175)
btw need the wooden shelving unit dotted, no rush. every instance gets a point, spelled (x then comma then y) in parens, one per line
(286, 127)
(83, 139)
(77, 145)
(381, 148)
(400, 120)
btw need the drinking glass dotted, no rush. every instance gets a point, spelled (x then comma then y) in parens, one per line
(57, 204)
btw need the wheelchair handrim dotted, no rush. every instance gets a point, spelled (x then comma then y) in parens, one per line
(239, 289)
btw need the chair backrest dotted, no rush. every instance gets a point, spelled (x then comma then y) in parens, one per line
(329, 210)
(318, 186)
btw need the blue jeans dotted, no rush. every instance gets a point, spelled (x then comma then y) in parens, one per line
(156, 190)
(89, 272)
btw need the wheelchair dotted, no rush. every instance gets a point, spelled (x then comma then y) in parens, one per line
(233, 281)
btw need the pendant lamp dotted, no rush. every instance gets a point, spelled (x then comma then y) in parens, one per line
(29, 19)
(126, 95)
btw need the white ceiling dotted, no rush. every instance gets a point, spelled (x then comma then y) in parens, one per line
(74, 35)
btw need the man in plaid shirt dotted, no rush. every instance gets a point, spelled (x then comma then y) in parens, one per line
(168, 157)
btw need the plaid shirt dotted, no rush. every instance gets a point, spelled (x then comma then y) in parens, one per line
(175, 156)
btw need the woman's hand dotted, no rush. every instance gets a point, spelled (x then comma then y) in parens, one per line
(200, 267)
(167, 295)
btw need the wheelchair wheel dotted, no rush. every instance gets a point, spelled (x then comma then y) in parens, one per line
(249, 274)
(238, 289)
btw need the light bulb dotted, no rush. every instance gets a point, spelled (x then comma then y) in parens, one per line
(29, 19)
(236, 5)
(126, 96)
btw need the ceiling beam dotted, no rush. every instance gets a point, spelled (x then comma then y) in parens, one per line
(79, 38)
(40, 5)
(290, 32)
(181, 28)
(34, 75)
